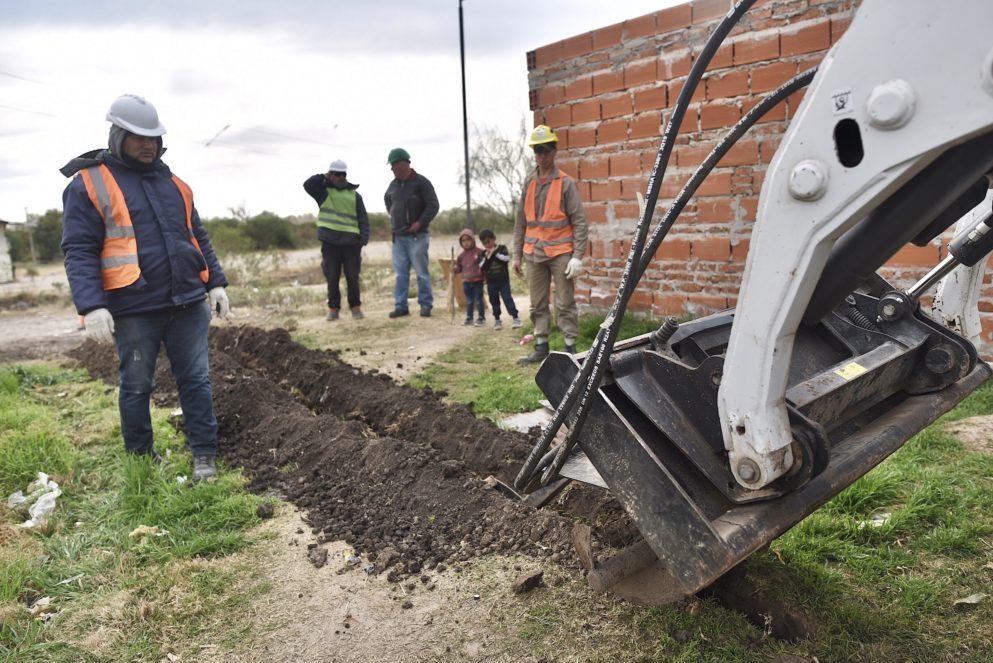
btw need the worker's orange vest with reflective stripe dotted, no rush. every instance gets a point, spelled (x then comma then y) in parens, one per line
(119, 258)
(552, 233)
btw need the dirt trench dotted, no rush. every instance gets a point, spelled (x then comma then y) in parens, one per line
(390, 469)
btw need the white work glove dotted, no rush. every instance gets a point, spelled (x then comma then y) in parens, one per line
(99, 325)
(574, 269)
(218, 300)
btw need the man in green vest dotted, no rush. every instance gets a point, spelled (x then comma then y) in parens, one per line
(343, 228)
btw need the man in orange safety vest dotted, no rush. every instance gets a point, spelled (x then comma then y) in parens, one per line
(550, 236)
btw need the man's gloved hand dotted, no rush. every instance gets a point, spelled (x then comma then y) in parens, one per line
(99, 325)
(218, 300)
(574, 269)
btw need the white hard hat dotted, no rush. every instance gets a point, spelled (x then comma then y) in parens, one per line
(135, 114)
(338, 166)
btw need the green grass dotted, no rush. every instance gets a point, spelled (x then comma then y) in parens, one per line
(85, 557)
(483, 371)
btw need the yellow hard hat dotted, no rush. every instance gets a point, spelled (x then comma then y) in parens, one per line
(542, 134)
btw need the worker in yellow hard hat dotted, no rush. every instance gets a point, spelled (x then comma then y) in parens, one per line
(550, 236)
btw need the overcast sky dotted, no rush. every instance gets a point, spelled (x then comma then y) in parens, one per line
(288, 87)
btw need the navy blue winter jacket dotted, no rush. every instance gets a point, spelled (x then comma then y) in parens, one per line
(169, 262)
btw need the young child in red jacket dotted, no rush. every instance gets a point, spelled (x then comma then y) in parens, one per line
(469, 264)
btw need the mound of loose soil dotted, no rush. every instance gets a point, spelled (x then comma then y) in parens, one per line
(390, 469)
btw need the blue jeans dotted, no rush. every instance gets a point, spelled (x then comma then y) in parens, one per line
(411, 251)
(473, 297)
(497, 289)
(183, 331)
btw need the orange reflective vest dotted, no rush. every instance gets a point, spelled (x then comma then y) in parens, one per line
(119, 258)
(552, 233)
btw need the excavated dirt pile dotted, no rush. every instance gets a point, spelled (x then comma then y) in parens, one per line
(390, 469)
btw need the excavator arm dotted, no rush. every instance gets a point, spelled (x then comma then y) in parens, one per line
(720, 434)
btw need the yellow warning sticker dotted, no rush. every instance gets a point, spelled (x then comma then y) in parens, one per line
(851, 371)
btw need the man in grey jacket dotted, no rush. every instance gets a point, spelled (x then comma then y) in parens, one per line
(411, 203)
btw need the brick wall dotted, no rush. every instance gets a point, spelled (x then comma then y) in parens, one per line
(605, 93)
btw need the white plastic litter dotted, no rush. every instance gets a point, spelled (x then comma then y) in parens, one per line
(39, 502)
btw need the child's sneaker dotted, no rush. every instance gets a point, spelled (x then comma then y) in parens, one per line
(480, 322)
(467, 322)
(497, 324)
(516, 324)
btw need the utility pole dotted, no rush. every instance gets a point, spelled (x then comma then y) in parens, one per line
(465, 125)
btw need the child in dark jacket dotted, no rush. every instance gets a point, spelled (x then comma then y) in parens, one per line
(496, 259)
(469, 264)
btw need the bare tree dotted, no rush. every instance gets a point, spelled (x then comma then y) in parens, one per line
(498, 166)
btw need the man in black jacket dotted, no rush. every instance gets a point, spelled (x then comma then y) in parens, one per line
(343, 228)
(411, 203)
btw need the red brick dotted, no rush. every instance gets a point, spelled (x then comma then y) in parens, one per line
(546, 55)
(739, 250)
(839, 26)
(756, 49)
(630, 188)
(710, 302)
(646, 125)
(585, 111)
(596, 249)
(625, 164)
(596, 213)
(643, 26)
(582, 136)
(769, 146)
(717, 116)
(691, 156)
(650, 99)
(810, 39)
(608, 81)
(607, 37)
(641, 73)
(676, 87)
(708, 10)
(749, 207)
(595, 168)
(674, 18)
(770, 76)
(742, 153)
(641, 300)
(558, 116)
(732, 84)
(714, 210)
(675, 66)
(718, 183)
(670, 304)
(609, 190)
(579, 88)
(711, 248)
(673, 249)
(576, 46)
(612, 131)
(550, 94)
(722, 59)
(615, 106)
(916, 256)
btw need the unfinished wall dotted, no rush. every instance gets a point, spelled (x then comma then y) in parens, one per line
(605, 93)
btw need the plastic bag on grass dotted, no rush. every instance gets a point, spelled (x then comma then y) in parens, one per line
(39, 502)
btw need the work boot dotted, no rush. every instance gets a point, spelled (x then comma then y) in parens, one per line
(537, 356)
(425, 312)
(332, 314)
(357, 313)
(203, 468)
(398, 313)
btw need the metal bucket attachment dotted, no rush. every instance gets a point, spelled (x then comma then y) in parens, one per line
(653, 438)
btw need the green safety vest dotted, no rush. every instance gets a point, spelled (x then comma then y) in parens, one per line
(338, 211)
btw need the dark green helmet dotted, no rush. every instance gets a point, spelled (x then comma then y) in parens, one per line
(397, 154)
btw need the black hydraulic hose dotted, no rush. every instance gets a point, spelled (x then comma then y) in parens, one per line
(592, 370)
(689, 189)
(767, 103)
